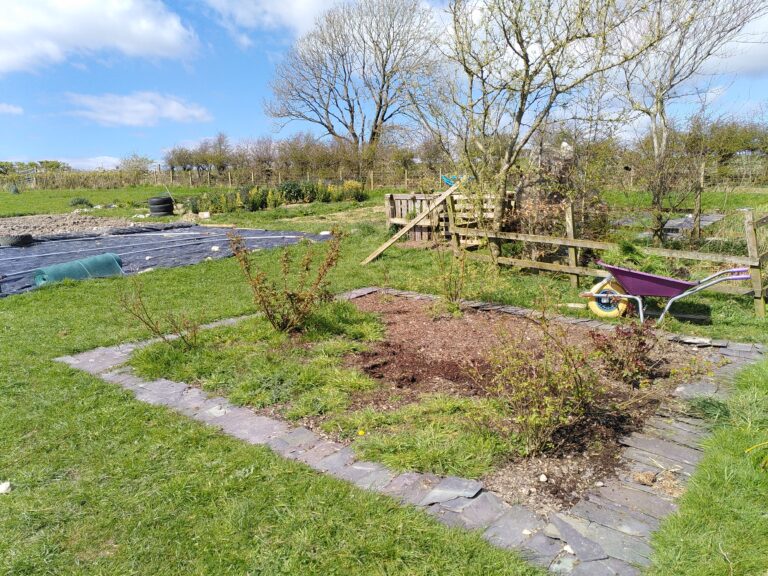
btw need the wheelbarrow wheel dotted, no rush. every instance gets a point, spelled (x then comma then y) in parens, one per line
(608, 307)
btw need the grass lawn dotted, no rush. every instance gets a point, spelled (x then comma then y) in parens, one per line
(58, 201)
(712, 200)
(107, 485)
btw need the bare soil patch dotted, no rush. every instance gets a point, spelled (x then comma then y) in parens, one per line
(45, 224)
(425, 353)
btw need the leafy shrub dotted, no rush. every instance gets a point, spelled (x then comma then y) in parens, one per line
(308, 191)
(258, 198)
(292, 192)
(353, 190)
(275, 198)
(323, 193)
(626, 351)
(81, 202)
(288, 304)
(543, 388)
(193, 204)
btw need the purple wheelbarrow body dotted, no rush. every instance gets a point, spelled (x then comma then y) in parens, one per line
(644, 284)
(638, 285)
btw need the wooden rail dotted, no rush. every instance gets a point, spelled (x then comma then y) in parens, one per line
(754, 261)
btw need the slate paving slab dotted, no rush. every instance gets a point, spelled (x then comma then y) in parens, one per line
(336, 461)
(475, 513)
(541, 549)
(585, 549)
(617, 517)
(513, 527)
(452, 487)
(615, 544)
(411, 487)
(313, 456)
(649, 504)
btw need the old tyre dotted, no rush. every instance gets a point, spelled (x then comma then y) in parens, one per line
(16, 241)
(160, 201)
(604, 306)
(161, 210)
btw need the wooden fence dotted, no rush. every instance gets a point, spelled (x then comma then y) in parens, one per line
(465, 232)
(754, 260)
(402, 208)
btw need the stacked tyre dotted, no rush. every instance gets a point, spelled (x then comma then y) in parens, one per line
(161, 206)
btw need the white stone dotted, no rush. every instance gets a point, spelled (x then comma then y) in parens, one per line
(325, 233)
(215, 248)
(5, 487)
(599, 484)
(527, 532)
(567, 548)
(543, 478)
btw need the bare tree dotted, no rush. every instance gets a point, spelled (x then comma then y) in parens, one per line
(691, 33)
(349, 74)
(509, 65)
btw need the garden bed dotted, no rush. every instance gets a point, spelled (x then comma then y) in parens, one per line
(413, 388)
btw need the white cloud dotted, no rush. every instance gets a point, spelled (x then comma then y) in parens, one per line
(746, 55)
(93, 163)
(137, 109)
(39, 32)
(240, 16)
(11, 109)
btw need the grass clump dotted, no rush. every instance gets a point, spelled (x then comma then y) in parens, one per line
(255, 365)
(441, 434)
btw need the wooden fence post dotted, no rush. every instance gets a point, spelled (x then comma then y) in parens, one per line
(406, 180)
(229, 177)
(190, 178)
(455, 239)
(754, 271)
(571, 234)
(391, 208)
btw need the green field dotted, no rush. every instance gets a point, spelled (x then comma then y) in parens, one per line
(104, 484)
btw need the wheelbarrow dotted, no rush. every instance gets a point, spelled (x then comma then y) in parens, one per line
(610, 297)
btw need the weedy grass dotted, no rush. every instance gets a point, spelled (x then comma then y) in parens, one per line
(255, 365)
(441, 434)
(722, 525)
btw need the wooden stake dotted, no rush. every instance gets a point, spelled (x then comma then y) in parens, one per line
(754, 270)
(571, 233)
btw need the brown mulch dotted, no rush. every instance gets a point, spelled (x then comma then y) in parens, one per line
(425, 352)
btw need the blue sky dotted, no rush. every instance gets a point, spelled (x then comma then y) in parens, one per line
(91, 81)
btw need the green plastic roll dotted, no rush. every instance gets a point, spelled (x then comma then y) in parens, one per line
(100, 266)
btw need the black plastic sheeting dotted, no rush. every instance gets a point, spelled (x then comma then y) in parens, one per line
(141, 248)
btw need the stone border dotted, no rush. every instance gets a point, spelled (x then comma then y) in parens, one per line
(605, 533)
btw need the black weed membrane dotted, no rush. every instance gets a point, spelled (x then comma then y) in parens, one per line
(128, 251)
